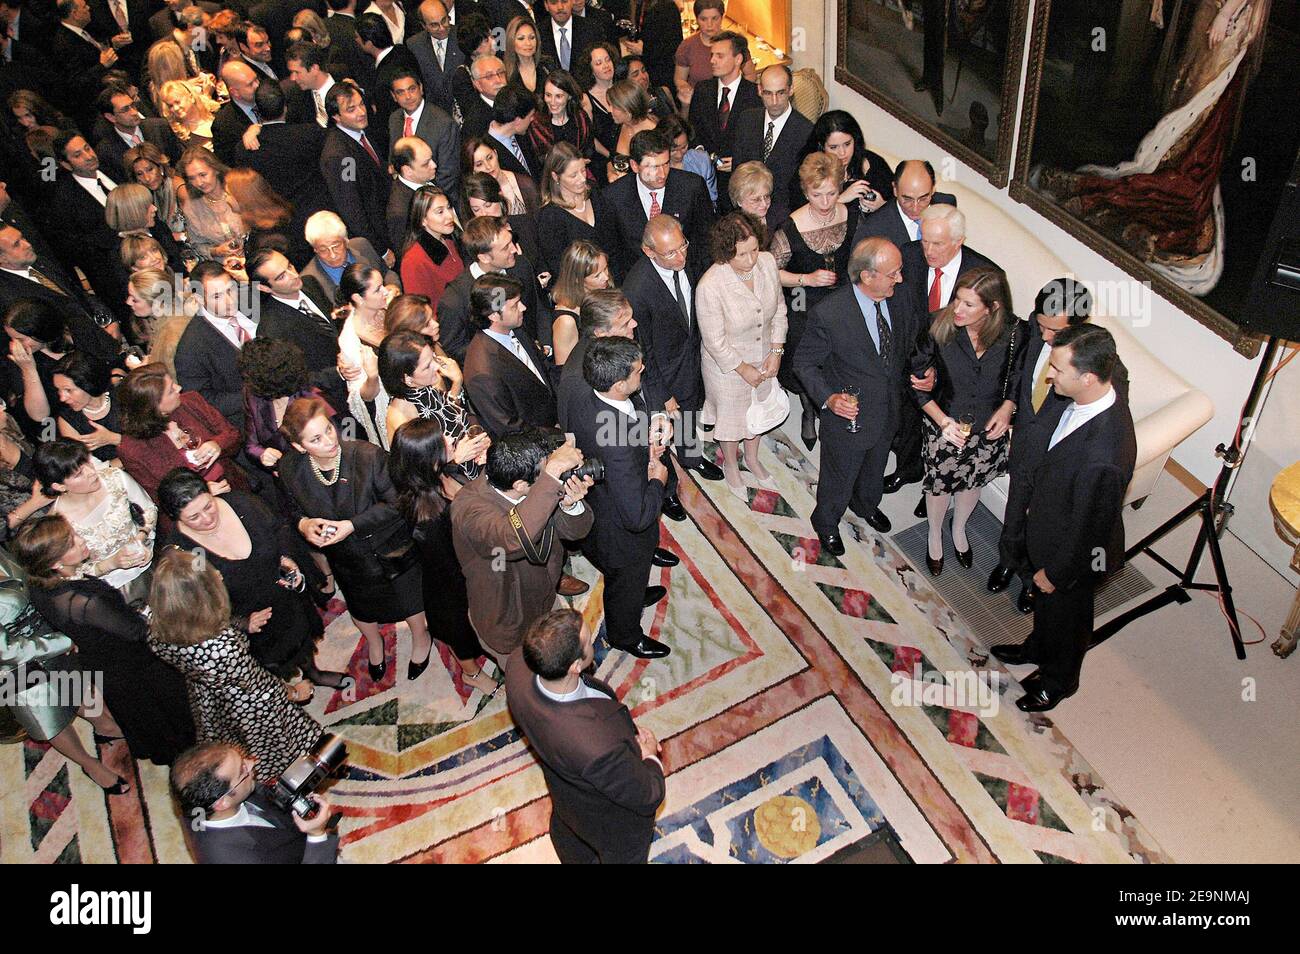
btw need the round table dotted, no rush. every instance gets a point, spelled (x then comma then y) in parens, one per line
(1284, 498)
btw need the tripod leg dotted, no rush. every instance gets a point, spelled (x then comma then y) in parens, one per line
(1225, 588)
(1160, 531)
(1206, 533)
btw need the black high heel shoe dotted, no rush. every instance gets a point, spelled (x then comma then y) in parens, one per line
(808, 431)
(377, 670)
(106, 739)
(414, 670)
(935, 566)
(965, 557)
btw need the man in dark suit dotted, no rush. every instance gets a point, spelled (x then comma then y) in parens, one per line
(653, 188)
(288, 157)
(717, 102)
(669, 334)
(114, 18)
(900, 220)
(375, 41)
(489, 246)
(488, 78)
(864, 336)
(501, 12)
(254, 44)
(416, 116)
(77, 211)
(562, 36)
(309, 82)
(207, 355)
(297, 311)
(507, 376)
(341, 22)
(353, 171)
(437, 52)
(1068, 524)
(164, 21)
(601, 17)
(127, 129)
(611, 421)
(931, 267)
(603, 773)
(661, 35)
(82, 56)
(233, 821)
(237, 114)
(413, 160)
(512, 114)
(775, 136)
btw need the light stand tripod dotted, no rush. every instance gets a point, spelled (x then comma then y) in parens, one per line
(1214, 512)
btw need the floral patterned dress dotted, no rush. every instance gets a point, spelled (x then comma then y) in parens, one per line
(111, 526)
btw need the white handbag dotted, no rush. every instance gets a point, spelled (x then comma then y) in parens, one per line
(768, 407)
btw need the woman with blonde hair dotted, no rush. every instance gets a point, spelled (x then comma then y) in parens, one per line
(524, 65)
(750, 190)
(190, 115)
(311, 22)
(160, 311)
(973, 344)
(165, 62)
(216, 226)
(570, 210)
(131, 213)
(584, 268)
(232, 698)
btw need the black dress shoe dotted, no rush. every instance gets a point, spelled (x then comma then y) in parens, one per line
(878, 521)
(1012, 654)
(1000, 578)
(377, 671)
(936, 566)
(664, 557)
(707, 469)
(831, 543)
(653, 594)
(965, 557)
(1026, 601)
(673, 509)
(919, 510)
(706, 428)
(1040, 699)
(646, 648)
(895, 482)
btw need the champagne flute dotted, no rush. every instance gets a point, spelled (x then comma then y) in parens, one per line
(965, 424)
(851, 392)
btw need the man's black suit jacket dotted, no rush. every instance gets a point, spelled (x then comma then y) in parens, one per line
(103, 23)
(885, 222)
(318, 339)
(396, 215)
(207, 362)
(475, 115)
(228, 127)
(281, 844)
(442, 135)
(670, 347)
(583, 33)
(627, 504)
(343, 50)
(505, 395)
(75, 307)
(456, 326)
(685, 198)
(506, 159)
(600, 786)
(437, 80)
(661, 34)
(782, 161)
(288, 158)
(837, 350)
(357, 186)
(85, 238)
(79, 67)
(112, 148)
(915, 269)
(704, 115)
(380, 96)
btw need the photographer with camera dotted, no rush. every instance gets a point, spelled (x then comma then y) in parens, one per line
(611, 420)
(235, 821)
(504, 525)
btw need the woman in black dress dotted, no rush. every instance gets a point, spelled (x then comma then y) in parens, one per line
(249, 545)
(812, 249)
(87, 411)
(561, 118)
(571, 209)
(584, 268)
(146, 696)
(597, 71)
(865, 173)
(973, 343)
(346, 505)
(419, 458)
(481, 195)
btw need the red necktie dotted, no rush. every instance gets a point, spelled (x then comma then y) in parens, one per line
(935, 291)
(724, 108)
(365, 144)
(654, 204)
(408, 129)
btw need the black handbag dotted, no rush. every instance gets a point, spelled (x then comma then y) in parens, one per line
(394, 550)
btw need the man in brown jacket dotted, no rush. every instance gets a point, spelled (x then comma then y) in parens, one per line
(511, 574)
(603, 773)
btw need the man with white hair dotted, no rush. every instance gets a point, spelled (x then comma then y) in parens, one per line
(488, 74)
(328, 236)
(931, 267)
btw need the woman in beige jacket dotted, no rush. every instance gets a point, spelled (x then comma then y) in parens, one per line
(742, 319)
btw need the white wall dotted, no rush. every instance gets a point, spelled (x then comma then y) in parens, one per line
(1191, 350)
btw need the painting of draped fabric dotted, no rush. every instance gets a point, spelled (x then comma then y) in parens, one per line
(1166, 128)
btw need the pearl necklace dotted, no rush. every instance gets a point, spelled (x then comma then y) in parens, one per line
(88, 410)
(812, 216)
(337, 468)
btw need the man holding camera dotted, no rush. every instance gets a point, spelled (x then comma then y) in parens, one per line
(504, 525)
(235, 822)
(611, 422)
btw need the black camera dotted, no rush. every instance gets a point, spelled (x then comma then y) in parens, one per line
(592, 467)
(292, 791)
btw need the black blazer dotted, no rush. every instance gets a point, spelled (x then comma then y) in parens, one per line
(396, 215)
(686, 198)
(499, 12)
(79, 67)
(885, 222)
(915, 268)
(318, 339)
(112, 147)
(344, 51)
(80, 229)
(583, 33)
(103, 23)
(505, 395)
(361, 195)
(207, 362)
(836, 349)
(661, 34)
(228, 127)
(627, 504)
(704, 114)
(475, 114)
(783, 161)
(288, 158)
(380, 98)
(600, 786)
(75, 306)
(506, 159)
(440, 132)
(671, 349)
(437, 80)
(969, 385)
(282, 844)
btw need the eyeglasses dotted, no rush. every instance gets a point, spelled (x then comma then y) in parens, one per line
(332, 247)
(239, 779)
(680, 249)
(915, 199)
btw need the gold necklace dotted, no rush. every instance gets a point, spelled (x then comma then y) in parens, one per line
(337, 468)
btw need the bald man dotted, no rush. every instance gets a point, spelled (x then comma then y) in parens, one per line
(237, 115)
(437, 52)
(900, 220)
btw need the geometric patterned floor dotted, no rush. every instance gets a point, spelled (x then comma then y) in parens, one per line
(813, 709)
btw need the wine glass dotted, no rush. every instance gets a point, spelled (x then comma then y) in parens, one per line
(851, 392)
(965, 424)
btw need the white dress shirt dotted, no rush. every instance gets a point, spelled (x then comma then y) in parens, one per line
(227, 332)
(583, 691)
(670, 280)
(951, 269)
(625, 406)
(555, 34)
(1077, 415)
(93, 186)
(913, 227)
(733, 86)
(415, 117)
(777, 125)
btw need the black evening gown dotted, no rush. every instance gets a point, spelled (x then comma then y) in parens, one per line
(288, 640)
(559, 228)
(146, 696)
(111, 421)
(446, 604)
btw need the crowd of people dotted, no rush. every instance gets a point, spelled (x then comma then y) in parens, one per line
(402, 304)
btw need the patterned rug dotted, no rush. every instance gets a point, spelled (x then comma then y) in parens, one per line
(813, 709)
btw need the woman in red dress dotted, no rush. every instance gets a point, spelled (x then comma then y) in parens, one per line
(430, 260)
